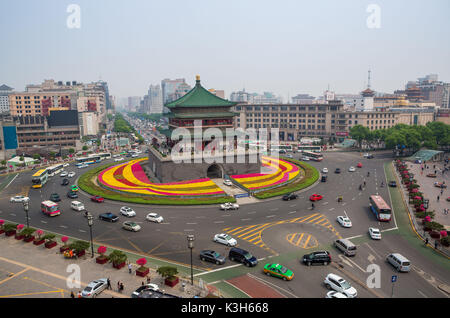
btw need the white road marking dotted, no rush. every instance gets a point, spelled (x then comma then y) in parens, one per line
(344, 203)
(362, 270)
(371, 248)
(345, 261)
(291, 206)
(268, 283)
(11, 181)
(425, 296)
(191, 223)
(270, 216)
(63, 226)
(292, 212)
(82, 231)
(218, 221)
(353, 199)
(245, 219)
(253, 212)
(165, 223)
(325, 203)
(216, 270)
(331, 209)
(189, 230)
(44, 222)
(13, 214)
(370, 258)
(275, 209)
(226, 215)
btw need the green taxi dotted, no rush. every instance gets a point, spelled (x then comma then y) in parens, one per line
(74, 188)
(279, 271)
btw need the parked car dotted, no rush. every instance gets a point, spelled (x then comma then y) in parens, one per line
(392, 184)
(97, 198)
(335, 294)
(344, 221)
(337, 283)
(137, 292)
(279, 271)
(374, 233)
(242, 256)
(65, 182)
(224, 239)
(55, 197)
(19, 199)
(318, 257)
(94, 288)
(154, 217)
(71, 174)
(108, 217)
(129, 212)
(315, 197)
(131, 226)
(72, 195)
(229, 206)
(212, 256)
(290, 196)
(63, 174)
(227, 182)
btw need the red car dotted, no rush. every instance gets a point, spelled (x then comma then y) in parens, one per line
(97, 198)
(316, 197)
(359, 165)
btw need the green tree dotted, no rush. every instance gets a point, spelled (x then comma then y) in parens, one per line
(37, 156)
(85, 147)
(360, 133)
(71, 150)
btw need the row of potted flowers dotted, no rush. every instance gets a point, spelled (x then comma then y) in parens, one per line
(416, 199)
(78, 248)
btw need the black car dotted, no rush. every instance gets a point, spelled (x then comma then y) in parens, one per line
(65, 181)
(319, 257)
(369, 157)
(108, 217)
(212, 256)
(338, 170)
(242, 256)
(72, 195)
(55, 197)
(324, 178)
(392, 184)
(290, 196)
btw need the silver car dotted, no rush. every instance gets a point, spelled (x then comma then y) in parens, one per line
(94, 288)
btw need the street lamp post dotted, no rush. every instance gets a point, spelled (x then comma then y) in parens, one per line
(90, 223)
(190, 239)
(26, 207)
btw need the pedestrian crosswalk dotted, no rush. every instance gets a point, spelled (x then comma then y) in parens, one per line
(253, 233)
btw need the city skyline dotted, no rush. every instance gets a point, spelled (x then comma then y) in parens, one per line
(230, 45)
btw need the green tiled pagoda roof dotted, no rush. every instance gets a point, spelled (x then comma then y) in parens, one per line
(200, 97)
(201, 115)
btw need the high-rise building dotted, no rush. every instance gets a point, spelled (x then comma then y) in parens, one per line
(254, 98)
(427, 89)
(153, 101)
(4, 98)
(173, 88)
(134, 103)
(241, 97)
(303, 99)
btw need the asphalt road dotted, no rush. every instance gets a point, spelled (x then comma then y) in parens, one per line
(288, 229)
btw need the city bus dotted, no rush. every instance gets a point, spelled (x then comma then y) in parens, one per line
(104, 155)
(314, 156)
(91, 159)
(281, 148)
(50, 208)
(301, 148)
(380, 208)
(55, 169)
(39, 178)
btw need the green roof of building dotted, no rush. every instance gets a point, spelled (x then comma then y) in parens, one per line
(201, 115)
(424, 155)
(200, 97)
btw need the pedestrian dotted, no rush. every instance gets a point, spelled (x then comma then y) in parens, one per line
(109, 283)
(121, 287)
(436, 244)
(72, 295)
(148, 279)
(446, 211)
(118, 286)
(438, 198)
(434, 166)
(130, 268)
(142, 283)
(442, 190)
(426, 241)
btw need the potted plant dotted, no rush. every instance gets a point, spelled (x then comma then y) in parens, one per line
(102, 259)
(50, 243)
(19, 235)
(142, 270)
(79, 247)
(433, 226)
(1, 226)
(168, 273)
(65, 247)
(28, 234)
(10, 229)
(435, 234)
(39, 240)
(445, 241)
(118, 259)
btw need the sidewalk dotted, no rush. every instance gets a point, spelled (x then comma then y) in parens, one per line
(26, 268)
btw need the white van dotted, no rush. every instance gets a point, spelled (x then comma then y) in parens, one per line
(77, 206)
(345, 246)
(401, 263)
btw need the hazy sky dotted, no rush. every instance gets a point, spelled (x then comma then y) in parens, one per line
(287, 47)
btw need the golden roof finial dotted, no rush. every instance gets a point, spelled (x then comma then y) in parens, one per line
(197, 77)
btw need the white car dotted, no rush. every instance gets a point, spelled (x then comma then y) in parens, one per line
(137, 292)
(154, 217)
(118, 159)
(304, 158)
(134, 156)
(131, 226)
(344, 221)
(337, 283)
(325, 170)
(289, 156)
(351, 169)
(374, 233)
(66, 165)
(83, 166)
(127, 211)
(227, 182)
(229, 206)
(94, 288)
(19, 199)
(71, 174)
(63, 174)
(335, 294)
(224, 239)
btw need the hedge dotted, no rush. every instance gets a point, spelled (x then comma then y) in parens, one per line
(85, 184)
(311, 176)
